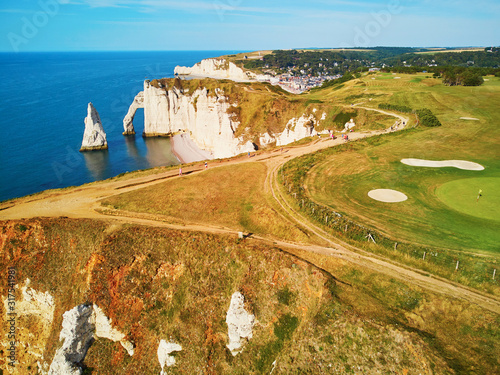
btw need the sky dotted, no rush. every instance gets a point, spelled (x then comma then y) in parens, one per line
(244, 25)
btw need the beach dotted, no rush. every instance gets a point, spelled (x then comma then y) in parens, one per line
(187, 151)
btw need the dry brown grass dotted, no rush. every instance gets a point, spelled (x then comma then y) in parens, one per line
(163, 284)
(231, 196)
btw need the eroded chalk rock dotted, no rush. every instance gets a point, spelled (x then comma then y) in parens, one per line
(128, 125)
(81, 325)
(77, 334)
(104, 329)
(94, 137)
(216, 68)
(239, 324)
(164, 351)
(296, 129)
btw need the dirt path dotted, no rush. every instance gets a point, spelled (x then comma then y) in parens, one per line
(84, 202)
(351, 254)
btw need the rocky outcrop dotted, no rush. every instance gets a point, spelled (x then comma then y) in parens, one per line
(77, 334)
(239, 324)
(216, 68)
(349, 125)
(128, 126)
(94, 137)
(202, 114)
(34, 314)
(164, 351)
(81, 325)
(297, 129)
(104, 329)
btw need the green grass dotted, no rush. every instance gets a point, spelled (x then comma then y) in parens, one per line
(343, 181)
(462, 196)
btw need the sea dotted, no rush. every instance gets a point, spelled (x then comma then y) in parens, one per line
(43, 104)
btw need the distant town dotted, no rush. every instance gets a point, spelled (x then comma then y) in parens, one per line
(296, 84)
(297, 71)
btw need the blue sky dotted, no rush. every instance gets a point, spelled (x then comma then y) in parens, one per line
(96, 25)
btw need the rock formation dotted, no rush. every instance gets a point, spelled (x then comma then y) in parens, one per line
(216, 68)
(348, 126)
(128, 125)
(94, 137)
(34, 316)
(104, 329)
(77, 333)
(80, 326)
(202, 114)
(297, 129)
(239, 324)
(164, 357)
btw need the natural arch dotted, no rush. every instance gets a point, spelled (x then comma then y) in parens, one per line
(128, 125)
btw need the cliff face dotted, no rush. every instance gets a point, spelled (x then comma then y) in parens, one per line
(202, 114)
(297, 129)
(94, 137)
(211, 116)
(216, 68)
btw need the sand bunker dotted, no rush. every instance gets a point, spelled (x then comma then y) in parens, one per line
(387, 195)
(469, 118)
(460, 164)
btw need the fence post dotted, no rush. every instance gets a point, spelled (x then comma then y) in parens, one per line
(395, 246)
(456, 268)
(424, 256)
(494, 273)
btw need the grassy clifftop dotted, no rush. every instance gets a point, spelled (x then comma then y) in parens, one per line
(263, 108)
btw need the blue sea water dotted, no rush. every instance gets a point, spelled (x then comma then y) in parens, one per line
(43, 103)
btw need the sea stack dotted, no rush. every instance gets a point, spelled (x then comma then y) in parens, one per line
(94, 137)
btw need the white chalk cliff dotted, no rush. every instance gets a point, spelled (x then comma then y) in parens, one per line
(297, 129)
(94, 137)
(239, 324)
(80, 326)
(216, 68)
(203, 115)
(77, 333)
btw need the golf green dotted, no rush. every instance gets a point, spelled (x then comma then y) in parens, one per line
(463, 196)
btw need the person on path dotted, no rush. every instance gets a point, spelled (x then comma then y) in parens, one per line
(206, 165)
(180, 171)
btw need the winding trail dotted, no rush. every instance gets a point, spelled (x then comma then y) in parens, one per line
(84, 202)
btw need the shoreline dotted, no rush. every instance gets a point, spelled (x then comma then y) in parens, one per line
(186, 151)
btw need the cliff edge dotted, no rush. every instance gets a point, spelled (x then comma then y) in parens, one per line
(216, 68)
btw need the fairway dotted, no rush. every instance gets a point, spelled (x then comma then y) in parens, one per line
(461, 195)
